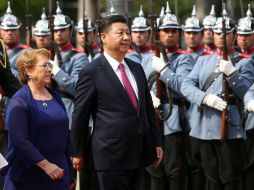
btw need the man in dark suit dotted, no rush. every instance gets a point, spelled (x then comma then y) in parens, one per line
(114, 91)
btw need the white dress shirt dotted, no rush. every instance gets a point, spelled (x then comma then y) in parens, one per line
(115, 66)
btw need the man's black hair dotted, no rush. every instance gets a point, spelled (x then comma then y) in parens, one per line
(107, 22)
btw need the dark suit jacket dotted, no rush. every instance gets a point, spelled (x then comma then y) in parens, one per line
(122, 137)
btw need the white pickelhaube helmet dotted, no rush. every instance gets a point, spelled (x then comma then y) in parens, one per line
(192, 24)
(210, 19)
(42, 26)
(169, 20)
(162, 14)
(9, 21)
(60, 20)
(245, 25)
(80, 27)
(140, 23)
(112, 10)
(229, 23)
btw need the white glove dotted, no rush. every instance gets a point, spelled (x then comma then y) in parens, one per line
(55, 64)
(156, 101)
(226, 67)
(215, 102)
(158, 64)
(250, 106)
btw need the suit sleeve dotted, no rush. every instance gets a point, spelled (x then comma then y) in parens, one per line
(17, 122)
(84, 103)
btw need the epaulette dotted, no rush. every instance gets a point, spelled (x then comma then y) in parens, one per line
(207, 52)
(151, 51)
(180, 51)
(77, 50)
(24, 46)
(244, 55)
(131, 50)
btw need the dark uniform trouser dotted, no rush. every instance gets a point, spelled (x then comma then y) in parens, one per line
(197, 177)
(223, 163)
(249, 169)
(171, 174)
(3, 147)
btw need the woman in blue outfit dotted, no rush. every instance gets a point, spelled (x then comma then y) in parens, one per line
(38, 150)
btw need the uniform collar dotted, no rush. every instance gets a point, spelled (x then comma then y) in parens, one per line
(172, 49)
(145, 48)
(220, 52)
(12, 46)
(192, 50)
(66, 47)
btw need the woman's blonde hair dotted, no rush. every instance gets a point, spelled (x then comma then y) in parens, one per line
(27, 60)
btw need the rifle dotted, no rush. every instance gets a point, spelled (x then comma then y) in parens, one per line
(157, 46)
(54, 50)
(28, 26)
(87, 47)
(225, 85)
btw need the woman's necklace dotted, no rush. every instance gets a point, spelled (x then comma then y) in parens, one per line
(45, 105)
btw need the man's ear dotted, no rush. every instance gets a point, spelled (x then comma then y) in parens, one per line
(103, 37)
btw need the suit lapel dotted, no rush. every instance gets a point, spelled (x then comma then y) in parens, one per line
(114, 80)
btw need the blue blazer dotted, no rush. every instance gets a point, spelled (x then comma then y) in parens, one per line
(25, 156)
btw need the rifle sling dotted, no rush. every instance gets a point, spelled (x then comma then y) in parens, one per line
(214, 74)
(210, 80)
(14, 52)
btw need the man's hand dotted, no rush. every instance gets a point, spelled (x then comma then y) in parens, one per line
(78, 163)
(226, 67)
(159, 152)
(250, 106)
(158, 64)
(156, 101)
(55, 64)
(215, 102)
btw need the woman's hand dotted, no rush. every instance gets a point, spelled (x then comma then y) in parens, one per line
(52, 170)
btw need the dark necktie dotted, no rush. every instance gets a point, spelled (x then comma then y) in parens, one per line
(128, 87)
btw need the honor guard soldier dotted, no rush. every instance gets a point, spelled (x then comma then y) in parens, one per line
(173, 170)
(42, 34)
(193, 33)
(208, 23)
(249, 128)
(220, 153)
(9, 32)
(65, 71)
(141, 51)
(92, 48)
(245, 34)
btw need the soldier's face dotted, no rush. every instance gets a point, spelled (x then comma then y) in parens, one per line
(140, 38)
(117, 39)
(10, 37)
(218, 40)
(62, 36)
(208, 37)
(42, 41)
(192, 39)
(80, 38)
(245, 42)
(169, 37)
